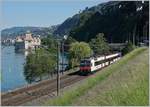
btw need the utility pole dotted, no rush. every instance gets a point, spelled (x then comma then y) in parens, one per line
(58, 51)
(58, 79)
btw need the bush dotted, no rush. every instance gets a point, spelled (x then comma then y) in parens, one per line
(39, 64)
(99, 44)
(78, 51)
(128, 48)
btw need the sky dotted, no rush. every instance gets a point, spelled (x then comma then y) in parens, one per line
(41, 13)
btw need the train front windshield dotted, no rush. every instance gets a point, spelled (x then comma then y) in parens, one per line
(85, 63)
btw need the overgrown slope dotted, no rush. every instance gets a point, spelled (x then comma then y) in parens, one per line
(128, 86)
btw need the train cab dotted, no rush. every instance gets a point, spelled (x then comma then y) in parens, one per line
(85, 66)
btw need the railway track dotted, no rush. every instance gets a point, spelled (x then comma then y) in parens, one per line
(26, 94)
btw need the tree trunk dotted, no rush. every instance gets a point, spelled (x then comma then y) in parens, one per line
(134, 32)
(40, 78)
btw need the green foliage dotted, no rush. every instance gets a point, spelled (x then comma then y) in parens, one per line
(128, 48)
(49, 41)
(99, 44)
(70, 40)
(118, 20)
(39, 64)
(84, 17)
(78, 51)
(69, 96)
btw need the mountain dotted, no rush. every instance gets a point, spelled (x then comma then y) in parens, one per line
(16, 31)
(79, 19)
(66, 26)
(118, 20)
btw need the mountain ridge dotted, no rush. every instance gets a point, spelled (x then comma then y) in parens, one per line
(12, 32)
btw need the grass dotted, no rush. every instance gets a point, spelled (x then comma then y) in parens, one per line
(121, 96)
(127, 86)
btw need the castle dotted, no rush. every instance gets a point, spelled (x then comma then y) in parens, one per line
(27, 42)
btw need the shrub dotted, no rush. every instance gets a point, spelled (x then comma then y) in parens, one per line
(128, 48)
(78, 51)
(99, 44)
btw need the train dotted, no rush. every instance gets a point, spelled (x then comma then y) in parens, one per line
(92, 64)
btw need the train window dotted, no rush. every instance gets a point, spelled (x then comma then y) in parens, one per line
(85, 63)
(96, 63)
(88, 63)
(82, 64)
(113, 58)
(99, 62)
(106, 60)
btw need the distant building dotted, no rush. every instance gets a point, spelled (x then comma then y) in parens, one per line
(8, 41)
(27, 42)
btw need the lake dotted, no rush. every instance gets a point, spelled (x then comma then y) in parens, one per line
(12, 64)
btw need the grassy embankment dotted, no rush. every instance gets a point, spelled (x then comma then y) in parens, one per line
(123, 83)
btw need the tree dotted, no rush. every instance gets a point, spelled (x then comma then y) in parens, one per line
(99, 44)
(128, 48)
(78, 51)
(39, 64)
(50, 42)
(70, 40)
(125, 20)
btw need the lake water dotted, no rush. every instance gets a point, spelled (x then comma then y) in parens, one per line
(12, 64)
(12, 69)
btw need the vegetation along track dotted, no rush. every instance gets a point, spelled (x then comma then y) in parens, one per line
(26, 94)
(73, 96)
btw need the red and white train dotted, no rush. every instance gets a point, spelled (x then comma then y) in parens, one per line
(92, 64)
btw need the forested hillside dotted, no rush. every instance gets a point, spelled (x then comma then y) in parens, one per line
(78, 19)
(120, 21)
(16, 31)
